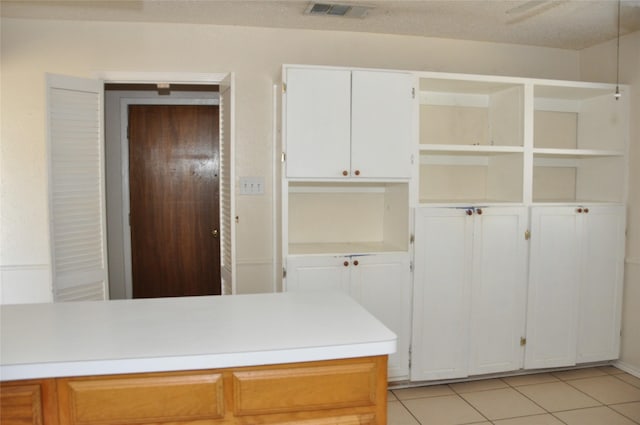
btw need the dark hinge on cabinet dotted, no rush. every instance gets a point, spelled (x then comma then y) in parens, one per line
(527, 235)
(284, 87)
(412, 239)
(410, 354)
(283, 157)
(413, 92)
(411, 266)
(523, 341)
(284, 273)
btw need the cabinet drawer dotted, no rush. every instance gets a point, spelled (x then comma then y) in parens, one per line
(290, 389)
(21, 405)
(136, 399)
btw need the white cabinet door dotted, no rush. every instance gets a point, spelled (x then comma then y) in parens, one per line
(382, 285)
(601, 281)
(552, 311)
(381, 129)
(318, 122)
(315, 273)
(498, 289)
(344, 124)
(441, 293)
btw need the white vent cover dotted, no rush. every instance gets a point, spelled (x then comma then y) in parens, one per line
(332, 9)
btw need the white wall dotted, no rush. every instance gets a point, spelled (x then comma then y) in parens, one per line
(598, 63)
(29, 48)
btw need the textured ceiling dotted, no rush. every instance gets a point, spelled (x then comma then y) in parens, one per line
(566, 24)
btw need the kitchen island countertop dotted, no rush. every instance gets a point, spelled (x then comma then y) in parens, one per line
(173, 334)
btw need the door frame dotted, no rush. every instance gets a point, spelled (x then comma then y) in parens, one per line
(124, 161)
(226, 82)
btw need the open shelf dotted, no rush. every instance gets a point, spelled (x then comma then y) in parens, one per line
(459, 176)
(471, 113)
(339, 218)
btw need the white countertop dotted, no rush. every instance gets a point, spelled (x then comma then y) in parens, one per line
(169, 334)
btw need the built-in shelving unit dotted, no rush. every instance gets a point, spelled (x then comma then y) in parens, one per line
(460, 209)
(579, 143)
(471, 140)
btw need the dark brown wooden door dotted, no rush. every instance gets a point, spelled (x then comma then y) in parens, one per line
(174, 200)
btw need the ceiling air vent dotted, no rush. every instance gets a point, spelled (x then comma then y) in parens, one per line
(332, 9)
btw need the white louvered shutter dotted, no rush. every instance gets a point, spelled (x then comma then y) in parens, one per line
(77, 211)
(227, 198)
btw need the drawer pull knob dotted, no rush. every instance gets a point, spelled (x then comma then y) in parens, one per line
(346, 264)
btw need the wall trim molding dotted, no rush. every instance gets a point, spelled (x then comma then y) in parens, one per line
(629, 368)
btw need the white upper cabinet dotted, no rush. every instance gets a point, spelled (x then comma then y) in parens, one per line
(318, 122)
(348, 124)
(381, 119)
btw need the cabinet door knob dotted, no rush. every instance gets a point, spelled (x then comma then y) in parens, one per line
(469, 212)
(479, 211)
(579, 210)
(355, 263)
(586, 210)
(345, 173)
(346, 264)
(357, 172)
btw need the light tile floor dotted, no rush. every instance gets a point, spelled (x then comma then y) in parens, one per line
(593, 396)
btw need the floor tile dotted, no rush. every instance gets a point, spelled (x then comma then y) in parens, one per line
(610, 370)
(397, 414)
(445, 410)
(537, 378)
(422, 392)
(391, 396)
(545, 419)
(593, 416)
(579, 373)
(629, 379)
(607, 389)
(630, 410)
(557, 396)
(482, 385)
(502, 403)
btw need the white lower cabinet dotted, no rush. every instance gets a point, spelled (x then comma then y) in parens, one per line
(469, 291)
(381, 283)
(575, 284)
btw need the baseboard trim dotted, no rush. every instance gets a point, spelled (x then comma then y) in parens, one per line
(629, 368)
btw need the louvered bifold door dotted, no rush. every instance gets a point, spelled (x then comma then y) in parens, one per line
(76, 188)
(227, 200)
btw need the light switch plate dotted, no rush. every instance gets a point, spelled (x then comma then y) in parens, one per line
(251, 185)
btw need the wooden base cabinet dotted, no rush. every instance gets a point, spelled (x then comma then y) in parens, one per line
(345, 392)
(28, 402)
(575, 289)
(381, 283)
(469, 291)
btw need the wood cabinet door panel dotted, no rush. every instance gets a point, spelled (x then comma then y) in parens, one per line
(21, 405)
(141, 399)
(304, 388)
